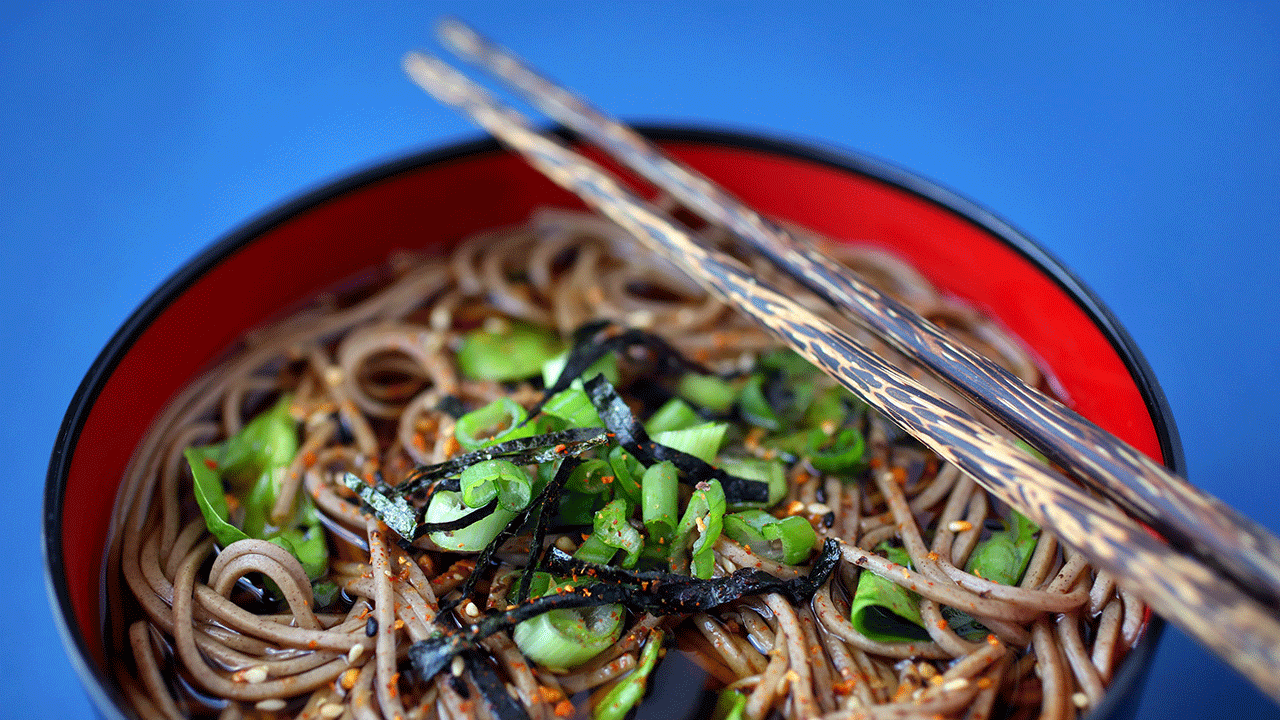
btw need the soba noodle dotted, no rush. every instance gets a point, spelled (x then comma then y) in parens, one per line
(243, 629)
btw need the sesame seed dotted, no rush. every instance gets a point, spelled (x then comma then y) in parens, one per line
(1080, 700)
(457, 666)
(354, 654)
(471, 610)
(270, 705)
(818, 508)
(255, 674)
(956, 526)
(331, 710)
(957, 684)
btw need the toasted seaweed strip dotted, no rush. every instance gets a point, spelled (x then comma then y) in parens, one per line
(531, 450)
(547, 501)
(631, 435)
(588, 347)
(671, 593)
(657, 593)
(457, 523)
(396, 511)
(500, 703)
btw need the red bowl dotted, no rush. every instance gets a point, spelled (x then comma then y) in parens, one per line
(441, 196)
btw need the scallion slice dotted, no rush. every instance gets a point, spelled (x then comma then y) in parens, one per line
(567, 637)
(447, 505)
(504, 351)
(499, 421)
(701, 441)
(501, 479)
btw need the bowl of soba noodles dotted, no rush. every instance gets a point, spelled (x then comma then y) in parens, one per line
(433, 441)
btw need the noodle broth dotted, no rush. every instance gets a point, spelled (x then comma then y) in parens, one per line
(632, 297)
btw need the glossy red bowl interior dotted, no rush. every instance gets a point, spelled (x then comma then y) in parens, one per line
(441, 196)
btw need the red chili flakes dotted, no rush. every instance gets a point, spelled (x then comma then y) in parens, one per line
(211, 463)
(564, 709)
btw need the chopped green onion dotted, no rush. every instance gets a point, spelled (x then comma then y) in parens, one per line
(788, 540)
(269, 440)
(788, 362)
(574, 407)
(885, 611)
(755, 406)
(701, 441)
(707, 391)
(622, 697)
(771, 472)
(840, 452)
(567, 637)
(511, 351)
(730, 705)
(592, 477)
(446, 505)
(482, 482)
(251, 465)
(612, 532)
(607, 365)
(499, 421)
(578, 508)
(698, 530)
(675, 414)
(833, 405)
(1003, 556)
(626, 475)
(659, 489)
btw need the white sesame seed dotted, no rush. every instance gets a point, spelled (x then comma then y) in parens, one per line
(956, 526)
(270, 705)
(495, 325)
(457, 667)
(1080, 700)
(255, 674)
(354, 654)
(471, 609)
(331, 710)
(957, 684)
(818, 508)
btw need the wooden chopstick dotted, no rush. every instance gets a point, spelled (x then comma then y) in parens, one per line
(1186, 516)
(1181, 588)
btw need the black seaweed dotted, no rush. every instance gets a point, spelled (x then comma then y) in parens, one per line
(597, 339)
(500, 704)
(652, 592)
(396, 512)
(456, 523)
(629, 433)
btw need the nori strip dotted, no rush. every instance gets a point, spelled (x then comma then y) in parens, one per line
(629, 433)
(657, 593)
(396, 512)
(588, 347)
(500, 704)
(457, 523)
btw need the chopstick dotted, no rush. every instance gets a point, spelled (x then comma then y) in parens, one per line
(1181, 588)
(1185, 515)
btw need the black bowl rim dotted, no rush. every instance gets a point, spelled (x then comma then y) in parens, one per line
(109, 701)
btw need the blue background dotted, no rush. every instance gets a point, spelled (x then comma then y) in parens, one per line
(1139, 142)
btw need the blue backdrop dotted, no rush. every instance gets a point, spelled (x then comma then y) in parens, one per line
(1139, 142)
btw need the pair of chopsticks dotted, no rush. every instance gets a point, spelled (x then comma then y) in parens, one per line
(1217, 577)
